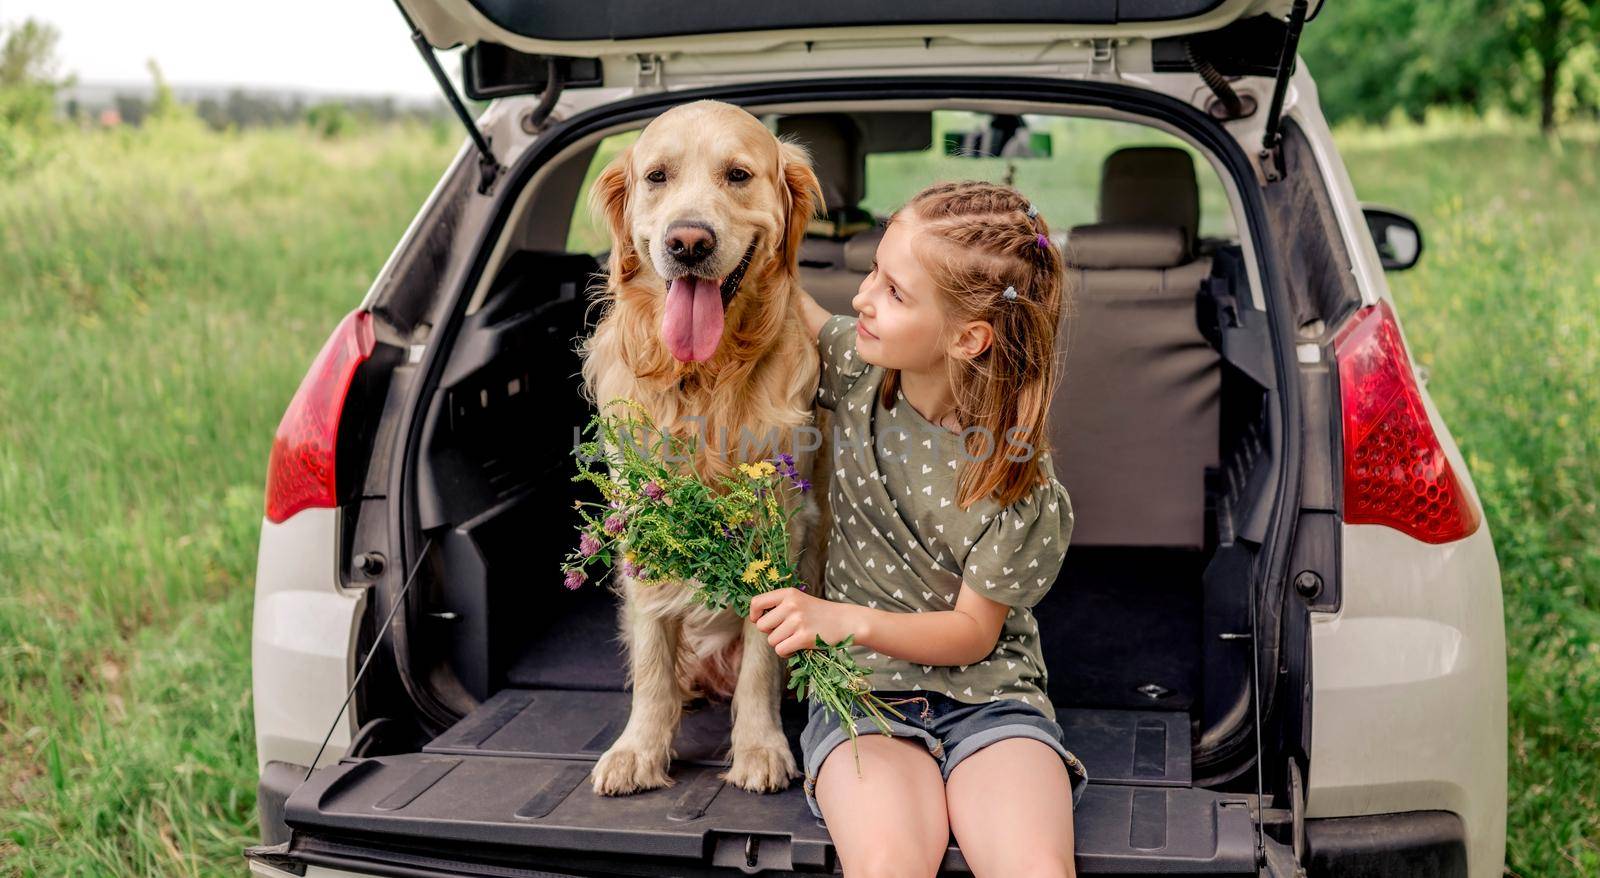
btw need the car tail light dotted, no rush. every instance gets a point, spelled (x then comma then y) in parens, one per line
(1395, 471)
(300, 473)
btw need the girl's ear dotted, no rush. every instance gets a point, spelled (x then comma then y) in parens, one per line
(802, 197)
(973, 339)
(608, 199)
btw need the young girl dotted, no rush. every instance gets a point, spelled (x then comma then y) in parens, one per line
(949, 525)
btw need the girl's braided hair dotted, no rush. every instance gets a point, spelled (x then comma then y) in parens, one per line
(977, 239)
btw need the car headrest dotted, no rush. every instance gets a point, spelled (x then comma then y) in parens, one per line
(834, 140)
(1150, 185)
(1125, 245)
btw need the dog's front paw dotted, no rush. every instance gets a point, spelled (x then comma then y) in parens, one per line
(763, 769)
(623, 770)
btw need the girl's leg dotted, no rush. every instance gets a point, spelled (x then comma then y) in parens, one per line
(1011, 810)
(892, 819)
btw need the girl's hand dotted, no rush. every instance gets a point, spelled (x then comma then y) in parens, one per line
(793, 619)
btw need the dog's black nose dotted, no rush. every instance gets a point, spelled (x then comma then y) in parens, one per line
(690, 242)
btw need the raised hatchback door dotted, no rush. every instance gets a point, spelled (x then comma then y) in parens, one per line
(739, 35)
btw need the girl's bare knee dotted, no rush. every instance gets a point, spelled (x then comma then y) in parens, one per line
(897, 828)
(894, 851)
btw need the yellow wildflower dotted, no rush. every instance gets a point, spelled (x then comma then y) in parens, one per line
(772, 573)
(757, 470)
(753, 571)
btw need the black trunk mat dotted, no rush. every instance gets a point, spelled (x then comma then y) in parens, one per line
(1118, 622)
(514, 776)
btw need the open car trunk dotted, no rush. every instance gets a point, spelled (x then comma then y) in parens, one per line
(536, 675)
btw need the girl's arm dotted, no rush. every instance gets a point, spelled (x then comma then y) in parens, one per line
(962, 636)
(815, 315)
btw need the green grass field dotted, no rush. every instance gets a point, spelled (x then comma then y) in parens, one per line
(161, 293)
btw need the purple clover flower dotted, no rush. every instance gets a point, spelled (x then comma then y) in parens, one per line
(575, 578)
(588, 545)
(653, 490)
(630, 569)
(614, 523)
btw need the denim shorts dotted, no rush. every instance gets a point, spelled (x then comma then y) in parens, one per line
(952, 730)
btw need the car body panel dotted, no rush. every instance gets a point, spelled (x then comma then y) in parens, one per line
(1408, 704)
(303, 640)
(1408, 700)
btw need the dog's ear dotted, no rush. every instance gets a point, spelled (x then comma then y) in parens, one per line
(608, 199)
(802, 197)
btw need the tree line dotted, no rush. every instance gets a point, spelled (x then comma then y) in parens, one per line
(1538, 58)
(33, 92)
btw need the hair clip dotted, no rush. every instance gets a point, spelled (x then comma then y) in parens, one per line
(1032, 211)
(1041, 240)
(1010, 293)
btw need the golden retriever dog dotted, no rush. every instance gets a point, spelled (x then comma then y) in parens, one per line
(702, 327)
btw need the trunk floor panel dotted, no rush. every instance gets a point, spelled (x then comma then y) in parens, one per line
(1117, 746)
(515, 775)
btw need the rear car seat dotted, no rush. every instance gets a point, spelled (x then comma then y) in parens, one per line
(839, 248)
(1136, 417)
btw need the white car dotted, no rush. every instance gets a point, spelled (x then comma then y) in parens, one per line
(1277, 642)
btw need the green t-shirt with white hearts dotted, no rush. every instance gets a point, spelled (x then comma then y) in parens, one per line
(902, 543)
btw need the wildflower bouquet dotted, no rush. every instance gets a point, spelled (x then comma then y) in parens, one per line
(728, 542)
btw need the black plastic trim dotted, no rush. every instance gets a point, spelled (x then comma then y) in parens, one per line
(278, 780)
(490, 70)
(1207, 132)
(1318, 546)
(1247, 47)
(1431, 843)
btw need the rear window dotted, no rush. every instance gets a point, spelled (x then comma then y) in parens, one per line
(1065, 183)
(588, 234)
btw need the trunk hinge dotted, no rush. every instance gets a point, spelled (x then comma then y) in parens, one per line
(1271, 156)
(488, 169)
(1103, 57)
(650, 72)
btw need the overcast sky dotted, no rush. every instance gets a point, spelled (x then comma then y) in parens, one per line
(324, 45)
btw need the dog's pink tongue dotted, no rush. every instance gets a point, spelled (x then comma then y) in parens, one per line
(692, 324)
